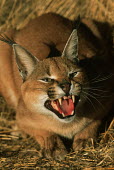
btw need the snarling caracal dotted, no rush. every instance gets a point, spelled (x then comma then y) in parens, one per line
(59, 79)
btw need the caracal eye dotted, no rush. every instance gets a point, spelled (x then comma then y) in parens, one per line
(74, 74)
(47, 80)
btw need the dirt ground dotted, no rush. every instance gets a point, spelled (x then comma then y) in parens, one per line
(23, 153)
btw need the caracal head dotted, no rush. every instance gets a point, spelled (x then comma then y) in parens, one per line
(52, 86)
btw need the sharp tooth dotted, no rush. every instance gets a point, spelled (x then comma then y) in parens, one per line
(63, 115)
(60, 101)
(54, 105)
(72, 112)
(73, 98)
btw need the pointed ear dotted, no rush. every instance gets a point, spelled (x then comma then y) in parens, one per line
(25, 61)
(71, 48)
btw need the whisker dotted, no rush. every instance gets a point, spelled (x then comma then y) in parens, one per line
(94, 89)
(94, 93)
(86, 97)
(96, 77)
(99, 95)
(102, 79)
(93, 98)
(102, 93)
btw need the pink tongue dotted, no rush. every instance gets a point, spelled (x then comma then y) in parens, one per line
(66, 107)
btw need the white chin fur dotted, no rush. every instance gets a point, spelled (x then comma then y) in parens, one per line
(67, 120)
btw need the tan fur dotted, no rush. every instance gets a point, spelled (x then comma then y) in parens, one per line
(39, 36)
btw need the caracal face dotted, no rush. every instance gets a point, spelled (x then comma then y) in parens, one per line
(54, 88)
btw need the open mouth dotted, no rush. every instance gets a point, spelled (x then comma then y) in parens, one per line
(63, 107)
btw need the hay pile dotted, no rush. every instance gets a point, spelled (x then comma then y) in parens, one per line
(18, 154)
(17, 13)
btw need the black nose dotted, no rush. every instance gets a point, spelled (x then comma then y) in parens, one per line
(65, 87)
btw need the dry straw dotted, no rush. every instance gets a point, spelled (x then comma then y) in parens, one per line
(17, 13)
(23, 153)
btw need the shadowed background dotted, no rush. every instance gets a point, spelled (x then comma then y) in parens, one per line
(21, 153)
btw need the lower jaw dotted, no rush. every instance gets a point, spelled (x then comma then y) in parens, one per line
(57, 114)
(67, 120)
(64, 119)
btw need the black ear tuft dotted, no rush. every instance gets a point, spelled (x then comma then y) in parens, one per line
(71, 48)
(7, 40)
(24, 59)
(77, 22)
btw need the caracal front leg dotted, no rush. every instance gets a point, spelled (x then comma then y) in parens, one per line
(87, 134)
(51, 145)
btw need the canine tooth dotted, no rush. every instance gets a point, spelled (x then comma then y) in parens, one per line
(72, 112)
(63, 115)
(54, 105)
(60, 101)
(73, 98)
